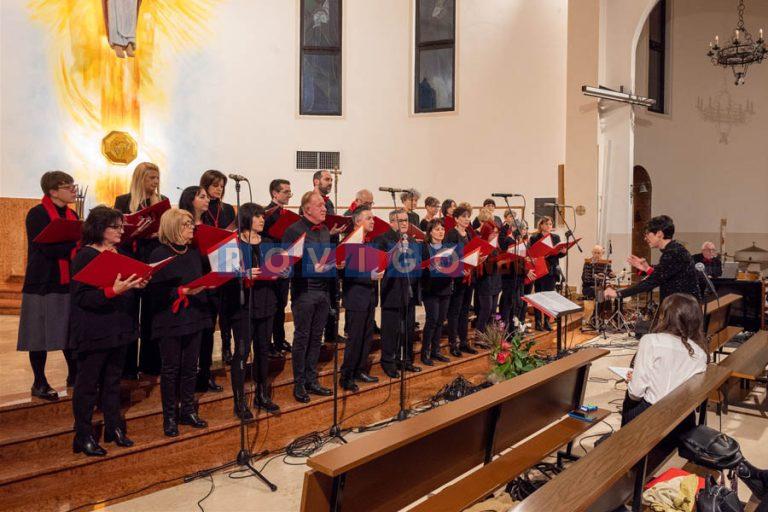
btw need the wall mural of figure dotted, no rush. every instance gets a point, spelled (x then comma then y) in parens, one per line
(120, 19)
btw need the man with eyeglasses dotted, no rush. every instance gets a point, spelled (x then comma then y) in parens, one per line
(280, 191)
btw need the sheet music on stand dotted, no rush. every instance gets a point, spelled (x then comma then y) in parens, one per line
(552, 304)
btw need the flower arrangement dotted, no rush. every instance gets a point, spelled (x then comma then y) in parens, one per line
(510, 353)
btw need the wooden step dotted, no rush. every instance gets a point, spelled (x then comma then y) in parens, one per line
(51, 476)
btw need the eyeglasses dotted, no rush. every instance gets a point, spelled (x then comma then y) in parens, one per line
(188, 224)
(117, 227)
(68, 186)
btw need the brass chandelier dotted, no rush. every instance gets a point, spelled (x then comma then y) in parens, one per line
(741, 51)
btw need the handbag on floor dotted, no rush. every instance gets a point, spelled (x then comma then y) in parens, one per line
(717, 498)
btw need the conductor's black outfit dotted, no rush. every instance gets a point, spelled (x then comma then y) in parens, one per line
(674, 273)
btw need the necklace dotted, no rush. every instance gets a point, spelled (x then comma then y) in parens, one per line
(177, 251)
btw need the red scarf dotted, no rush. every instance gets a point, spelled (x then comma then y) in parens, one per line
(53, 213)
(353, 206)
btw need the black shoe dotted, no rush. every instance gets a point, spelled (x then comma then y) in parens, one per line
(243, 413)
(335, 339)
(263, 401)
(348, 384)
(547, 327)
(410, 367)
(316, 389)
(283, 346)
(274, 352)
(441, 358)
(70, 381)
(455, 352)
(391, 372)
(193, 420)
(426, 361)
(46, 392)
(207, 385)
(118, 437)
(467, 349)
(482, 345)
(365, 377)
(88, 446)
(170, 428)
(756, 479)
(226, 355)
(300, 394)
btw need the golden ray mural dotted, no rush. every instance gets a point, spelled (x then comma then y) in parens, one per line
(101, 93)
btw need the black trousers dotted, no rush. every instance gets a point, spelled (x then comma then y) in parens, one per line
(179, 373)
(391, 330)
(310, 313)
(98, 370)
(278, 325)
(436, 309)
(512, 304)
(149, 350)
(458, 315)
(360, 336)
(545, 284)
(261, 332)
(486, 305)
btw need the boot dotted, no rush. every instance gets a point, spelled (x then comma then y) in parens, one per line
(756, 479)
(88, 446)
(118, 437)
(263, 401)
(226, 352)
(455, 352)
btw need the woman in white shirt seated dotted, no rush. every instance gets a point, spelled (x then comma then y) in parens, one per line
(666, 358)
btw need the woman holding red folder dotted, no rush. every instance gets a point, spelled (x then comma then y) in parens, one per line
(102, 325)
(458, 308)
(546, 283)
(436, 288)
(261, 298)
(144, 192)
(44, 320)
(219, 215)
(179, 317)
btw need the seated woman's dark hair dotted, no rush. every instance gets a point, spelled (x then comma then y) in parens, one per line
(246, 214)
(459, 211)
(680, 315)
(186, 201)
(430, 226)
(99, 219)
(444, 207)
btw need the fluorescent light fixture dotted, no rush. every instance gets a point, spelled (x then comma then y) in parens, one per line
(609, 94)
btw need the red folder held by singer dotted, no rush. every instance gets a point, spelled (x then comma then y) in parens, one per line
(283, 222)
(416, 233)
(60, 230)
(209, 238)
(379, 228)
(539, 267)
(337, 221)
(102, 270)
(210, 280)
(153, 212)
(364, 258)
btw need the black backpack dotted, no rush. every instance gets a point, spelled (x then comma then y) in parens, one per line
(710, 448)
(717, 498)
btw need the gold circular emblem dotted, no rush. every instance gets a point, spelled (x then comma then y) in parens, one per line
(580, 210)
(119, 148)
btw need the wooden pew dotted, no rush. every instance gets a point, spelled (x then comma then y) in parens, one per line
(746, 365)
(718, 312)
(607, 475)
(392, 468)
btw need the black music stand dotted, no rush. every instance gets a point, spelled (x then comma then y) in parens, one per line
(554, 306)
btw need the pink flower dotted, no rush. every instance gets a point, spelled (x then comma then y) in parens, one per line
(502, 357)
(505, 345)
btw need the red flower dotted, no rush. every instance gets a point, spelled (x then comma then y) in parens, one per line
(505, 345)
(502, 357)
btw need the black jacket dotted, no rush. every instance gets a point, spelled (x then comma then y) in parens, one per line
(674, 273)
(453, 238)
(394, 288)
(261, 291)
(123, 203)
(139, 248)
(219, 214)
(96, 321)
(434, 284)
(163, 291)
(315, 244)
(359, 293)
(42, 274)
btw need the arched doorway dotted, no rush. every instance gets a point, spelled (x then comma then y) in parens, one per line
(642, 194)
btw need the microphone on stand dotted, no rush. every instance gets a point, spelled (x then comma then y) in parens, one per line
(237, 177)
(558, 205)
(503, 194)
(391, 190)
(703, 270)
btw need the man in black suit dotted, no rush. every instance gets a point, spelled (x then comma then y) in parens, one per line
(359, 300)
(309, 296)
(280, 191)
(398, 295)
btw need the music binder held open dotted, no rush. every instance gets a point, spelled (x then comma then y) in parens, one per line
(554, 306)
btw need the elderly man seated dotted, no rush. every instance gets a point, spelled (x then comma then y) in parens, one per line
(596, 270)
(713, 265)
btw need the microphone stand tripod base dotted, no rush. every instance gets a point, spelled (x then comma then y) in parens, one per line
(244, 459)
(403, 414)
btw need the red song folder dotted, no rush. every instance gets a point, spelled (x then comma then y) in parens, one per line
(364, 258)
(416, 233)
(60, 230)
(153, 213)
(210, 280)
(379, 228)
(539, 267)
(283, 222)
(474, 250)
(441, 259)
(337, 221)
(544, 247)
(486, 229)
(104, 268)
(209, 238)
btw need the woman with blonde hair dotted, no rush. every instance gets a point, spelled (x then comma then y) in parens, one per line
(179, 317)
(144, 192)
(546, 283)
